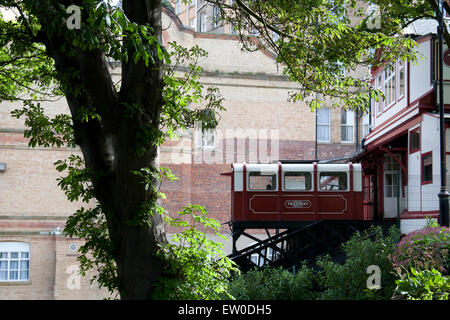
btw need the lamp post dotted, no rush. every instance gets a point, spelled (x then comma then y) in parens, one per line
(443, 194)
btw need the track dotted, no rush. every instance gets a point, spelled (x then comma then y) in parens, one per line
(293, 246)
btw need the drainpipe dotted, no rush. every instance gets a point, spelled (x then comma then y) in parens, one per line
(358, 117)
(315, 148)
(370, 110)
(443, 194)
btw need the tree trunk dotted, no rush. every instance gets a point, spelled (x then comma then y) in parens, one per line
(109, 146)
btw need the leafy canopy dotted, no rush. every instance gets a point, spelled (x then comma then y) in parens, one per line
(329, 46)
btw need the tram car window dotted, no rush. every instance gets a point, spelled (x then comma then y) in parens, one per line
(333, 181)
(262, 181)
(297, 181)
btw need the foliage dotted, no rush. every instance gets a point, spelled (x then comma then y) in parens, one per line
(431, 222)
(274, 284)
(349, 280)
(88, 224)
(42, 130)
(25, 71)
(331, 280)
(424, 285)
(197, 268)
(321, 43)
(423, 249)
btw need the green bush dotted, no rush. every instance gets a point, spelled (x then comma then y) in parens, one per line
(274, 284)
(348, 281)
(332, 280)
(196, 267)
(424, 285)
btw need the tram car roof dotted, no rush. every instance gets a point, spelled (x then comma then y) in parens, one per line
(270, 167)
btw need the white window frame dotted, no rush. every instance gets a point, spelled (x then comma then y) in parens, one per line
(201, 138)
(379, 85)
(216, 17)
(393, 187)
(366, 124)
(350, 122)
(203, 21)
(7, 249)
(390, 85)
(275, 36)
(401, 68)
(232, 29)
(332, 183)
(193, 23)
(324, 124)
(269, 254)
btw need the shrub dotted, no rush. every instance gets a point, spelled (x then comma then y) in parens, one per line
(423, 249)
(197, 268)
(348, 281)
(332, 280)
(274, 284)
(424, 285)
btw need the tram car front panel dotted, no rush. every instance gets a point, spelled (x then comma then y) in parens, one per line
(297, 192)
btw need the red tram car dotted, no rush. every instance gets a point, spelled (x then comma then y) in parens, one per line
(316, 207)
(297, 192)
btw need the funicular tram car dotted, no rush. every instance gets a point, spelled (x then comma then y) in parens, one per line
(319, 206)
(297, 192)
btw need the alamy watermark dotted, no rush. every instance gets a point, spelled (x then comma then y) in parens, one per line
(74, 20)
(374, 14)
(374, 280)
(224, 146)
(73, 281)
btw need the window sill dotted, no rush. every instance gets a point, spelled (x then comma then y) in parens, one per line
(206, 148)
(13, 283)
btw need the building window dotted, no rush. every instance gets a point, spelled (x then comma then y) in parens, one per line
(193, 23)
(392, 173)
(205, 139)
(427, 168)
(347, 125)
(323, 124)
(389, 85)
(401, 79)
(258, 258)
(203, 18)
(392, 82)
(233, 28)
(275, 36)
(379, 86)
(414, 141)
(178, 7)
(253, 31)
(366, 124)
(216, 16)
(14, 261)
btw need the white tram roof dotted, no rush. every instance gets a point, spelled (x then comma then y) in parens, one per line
(266, 167)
